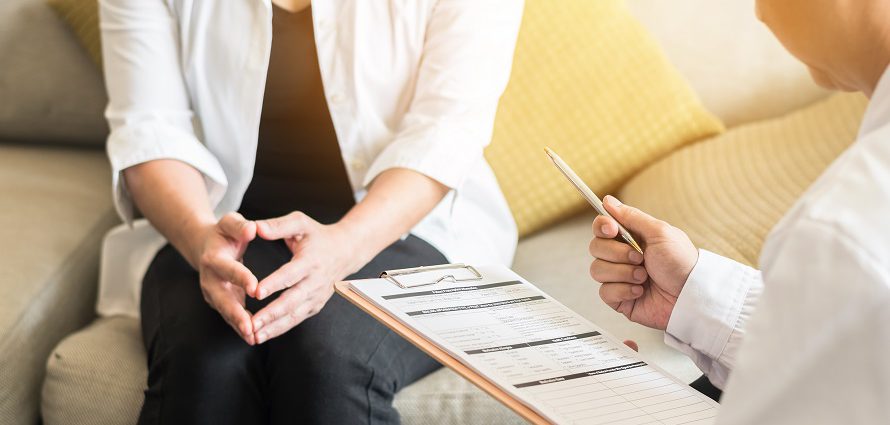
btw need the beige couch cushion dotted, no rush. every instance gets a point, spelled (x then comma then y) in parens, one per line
(50, 91)
(56, 205)
(728, 192)
(737, 67)
(97, 377)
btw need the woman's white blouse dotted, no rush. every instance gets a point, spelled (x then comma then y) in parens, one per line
(409, 83)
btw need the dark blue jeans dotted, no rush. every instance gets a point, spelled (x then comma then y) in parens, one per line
(338, 367)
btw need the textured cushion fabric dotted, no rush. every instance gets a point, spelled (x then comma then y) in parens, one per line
(443, 397)
(56, 205)
(728, 192)
(83, 18)
(50, 91)
(589, 82)
(97, 377)
(734, 63)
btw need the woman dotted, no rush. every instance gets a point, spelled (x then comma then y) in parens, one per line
(804, 341)
(281, 147)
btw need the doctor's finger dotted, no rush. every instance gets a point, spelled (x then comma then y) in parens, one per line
(615, 293)
(605, 272)
(605, 227)
(614, 251)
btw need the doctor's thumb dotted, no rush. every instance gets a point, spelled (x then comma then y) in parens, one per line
(633, 219)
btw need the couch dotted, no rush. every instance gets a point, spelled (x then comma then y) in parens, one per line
(60, 364)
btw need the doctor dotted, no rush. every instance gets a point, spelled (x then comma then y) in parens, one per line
(806, 340)
(274, 148)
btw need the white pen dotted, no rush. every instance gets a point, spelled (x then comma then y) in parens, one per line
(590, 196)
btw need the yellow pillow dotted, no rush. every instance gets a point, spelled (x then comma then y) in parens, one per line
(589, 82)
(728, 192)
(83, 18)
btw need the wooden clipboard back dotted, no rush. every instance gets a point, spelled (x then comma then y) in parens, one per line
(440, 355)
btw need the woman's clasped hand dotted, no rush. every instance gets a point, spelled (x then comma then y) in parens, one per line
(306, 282)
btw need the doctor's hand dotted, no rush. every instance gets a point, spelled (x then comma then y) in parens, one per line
(322, 255)
(224, 279)
(642, 287)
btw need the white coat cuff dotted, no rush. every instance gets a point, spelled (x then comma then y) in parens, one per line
(708, 309)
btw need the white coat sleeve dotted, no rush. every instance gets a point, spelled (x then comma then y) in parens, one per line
(816, 348)
(709, 318)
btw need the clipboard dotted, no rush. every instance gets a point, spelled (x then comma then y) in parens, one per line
(428, 347)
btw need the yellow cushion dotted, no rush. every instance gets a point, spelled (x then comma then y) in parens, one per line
(592, 84)
(83, 18)
(729, 191)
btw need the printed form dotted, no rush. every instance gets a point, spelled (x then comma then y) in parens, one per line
(536, 349)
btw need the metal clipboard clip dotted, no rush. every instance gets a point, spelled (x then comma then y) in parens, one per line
(431, 275)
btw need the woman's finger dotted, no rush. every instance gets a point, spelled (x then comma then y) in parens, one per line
(295, 223)
(605, 227)
(614, 251)
(286, 322)
(286, 276)
(235, 226)
(233, 271)
(285, 306)
(615, 293)
(607, 272)
(229, 307)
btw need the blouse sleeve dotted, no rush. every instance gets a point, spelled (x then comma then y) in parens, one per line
(467, 55)
(149, 112)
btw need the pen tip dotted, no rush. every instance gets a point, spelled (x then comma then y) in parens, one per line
(548, 151)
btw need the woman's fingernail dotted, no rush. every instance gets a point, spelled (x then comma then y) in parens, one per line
(605, 229)
(636, 290)
(612, 201)
(640, 275)
(635, 257)
(261, 337)
(260, 294)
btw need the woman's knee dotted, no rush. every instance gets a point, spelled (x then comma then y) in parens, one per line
(209, 363)
(338, 348)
